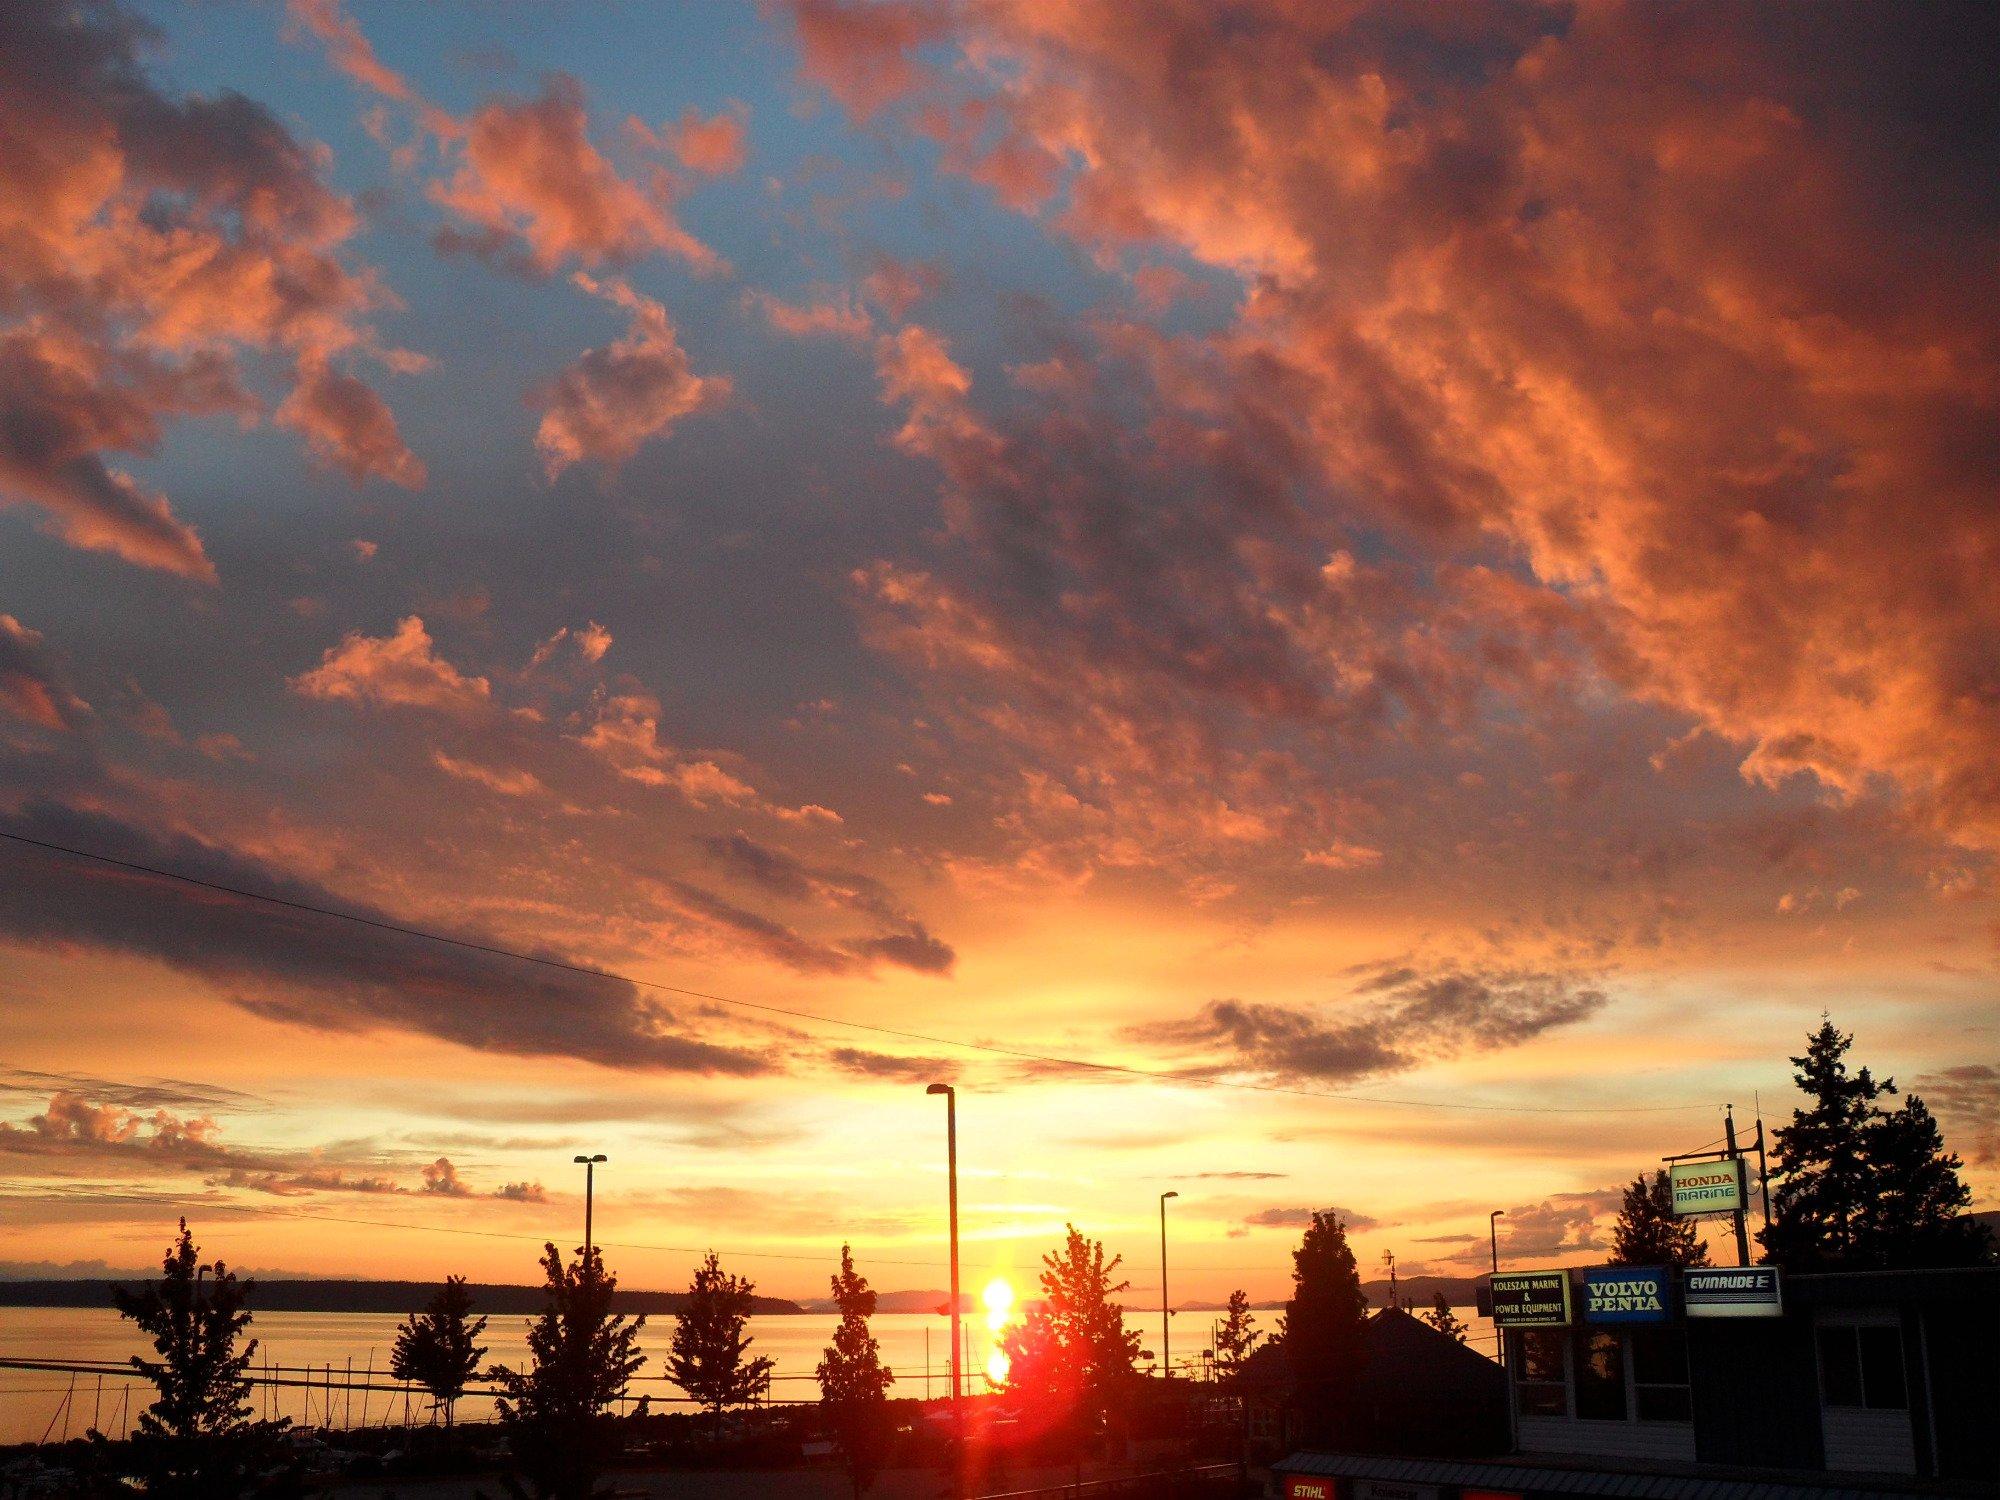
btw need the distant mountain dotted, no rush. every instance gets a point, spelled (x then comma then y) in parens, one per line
(1419, 1291)
(354, 1296)
(938, 1302)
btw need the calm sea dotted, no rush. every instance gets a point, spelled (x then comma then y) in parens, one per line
(307, 1347)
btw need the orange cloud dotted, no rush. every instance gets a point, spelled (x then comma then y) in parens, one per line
(714, 147)
(29, 686)
(531, 183)
(347, 425)
(146, 241)
(402, 670)
(1531, 277)
(614, 399)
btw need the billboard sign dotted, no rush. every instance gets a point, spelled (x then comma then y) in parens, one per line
(1737, 1292)
(1708, 1187)
(1531, 1299)
(1627, 1294)
(1308, 1487)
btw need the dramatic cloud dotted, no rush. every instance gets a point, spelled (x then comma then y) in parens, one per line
(402, 670)
(322, 972)
(909, 945)
(1409, 1019)
(442, 1177)
(537, 192)
(1531, 275)
(146, 242)
(615, 398)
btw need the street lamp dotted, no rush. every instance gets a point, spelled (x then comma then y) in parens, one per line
(951, 1172)
(589, 1165)
(1493, 1240)
(1166, 1334)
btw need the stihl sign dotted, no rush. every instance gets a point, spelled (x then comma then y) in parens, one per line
(1305, 1487)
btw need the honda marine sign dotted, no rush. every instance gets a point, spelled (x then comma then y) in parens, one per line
(1708, 1187)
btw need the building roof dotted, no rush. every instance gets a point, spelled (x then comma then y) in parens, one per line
(1552, 1476)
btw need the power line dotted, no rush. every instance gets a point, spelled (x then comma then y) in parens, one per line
(1017, 1054)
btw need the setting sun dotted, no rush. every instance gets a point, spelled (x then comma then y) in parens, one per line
(999, 1300)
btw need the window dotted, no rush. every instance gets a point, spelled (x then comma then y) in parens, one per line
(1862, 1365)
(1600, 1378)
(1660, 1375)
(1541, 1381)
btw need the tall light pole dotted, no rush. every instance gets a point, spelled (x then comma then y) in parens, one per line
(951, 1173)
(589, 1165)
(1166, 1335)
(1493, 1240)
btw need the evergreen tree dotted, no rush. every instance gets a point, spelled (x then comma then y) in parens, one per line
(1914, 1216)
(1070, 1361)
(1322, 1331)
(1444, 1320)
(1237, 1335)
(1820, 1205)
(1861, 1187)
(558, 1413)
(853, 1386)
(197, 1438)
(435, 1348)
(708, 1358)
(1649, 1233)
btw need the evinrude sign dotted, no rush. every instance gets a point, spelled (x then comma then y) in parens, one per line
(1736, 1292)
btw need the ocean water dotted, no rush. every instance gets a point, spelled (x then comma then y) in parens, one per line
(312, 1348)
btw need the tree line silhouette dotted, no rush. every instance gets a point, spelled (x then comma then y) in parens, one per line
(1856, 1186)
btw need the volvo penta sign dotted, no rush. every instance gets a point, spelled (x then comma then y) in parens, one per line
(1708, 1187)
(1627, 1294)
(1531, 1299)
(1738, 1292)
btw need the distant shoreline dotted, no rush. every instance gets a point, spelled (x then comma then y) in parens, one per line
(396, 1297)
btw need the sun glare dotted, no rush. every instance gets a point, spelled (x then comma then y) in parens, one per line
(997, 1366)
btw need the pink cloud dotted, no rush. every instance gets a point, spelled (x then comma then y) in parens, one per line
(29, 686)
(714, 147)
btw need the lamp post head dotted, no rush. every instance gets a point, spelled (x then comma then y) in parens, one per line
(582, 1161)
(1170, 1193)
(938, 1088)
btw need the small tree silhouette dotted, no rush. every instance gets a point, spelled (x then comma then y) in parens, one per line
(582, 1356)
(853, 1385)
(435, 1348)
(708, 1356)
(197, 1438)
(1443, 1319)
(1649, 1233)
(1070, 1361)
(1237, 1335)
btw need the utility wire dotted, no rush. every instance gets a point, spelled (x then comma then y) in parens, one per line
(1197, 1080)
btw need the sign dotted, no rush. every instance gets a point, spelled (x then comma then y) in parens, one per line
(1308, 1487)
(1627, 1294)
(1739, 1292)
(1707, 1187)
(1531, 1299)
(1393, 1489)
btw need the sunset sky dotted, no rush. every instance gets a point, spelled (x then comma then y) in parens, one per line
(1426, 576)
